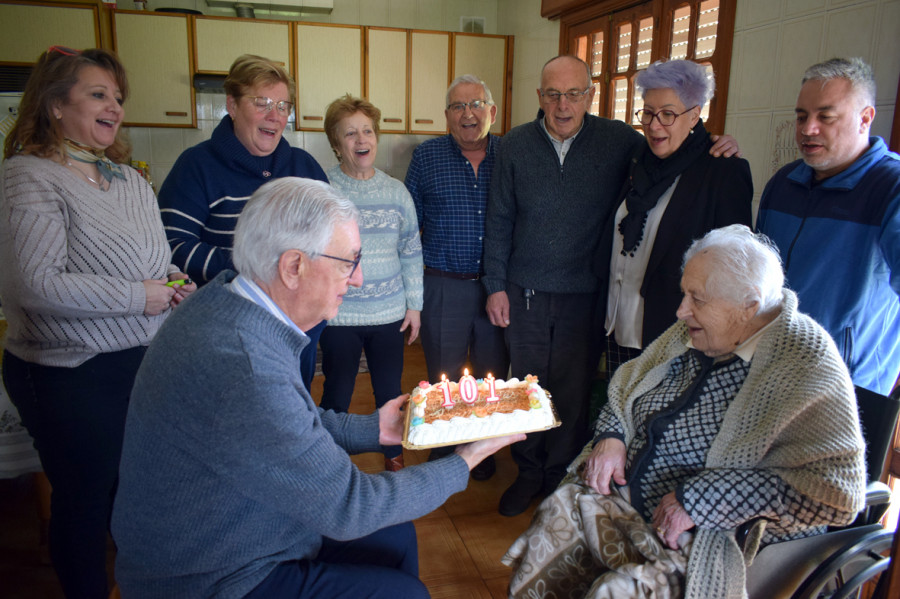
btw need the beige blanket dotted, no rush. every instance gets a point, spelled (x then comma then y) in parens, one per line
(588, 546)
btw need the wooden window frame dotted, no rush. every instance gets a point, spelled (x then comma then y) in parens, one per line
(575, 14)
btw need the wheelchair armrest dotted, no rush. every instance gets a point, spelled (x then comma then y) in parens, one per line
(878, 499)
(877, 493)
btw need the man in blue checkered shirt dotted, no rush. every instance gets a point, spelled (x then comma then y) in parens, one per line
(448, 179)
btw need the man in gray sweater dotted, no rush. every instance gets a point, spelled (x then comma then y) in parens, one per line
(554, 191)
(233, 483)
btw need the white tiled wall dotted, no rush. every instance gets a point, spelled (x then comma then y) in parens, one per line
(775, 41)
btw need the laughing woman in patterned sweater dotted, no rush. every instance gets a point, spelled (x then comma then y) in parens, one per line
(373, 317)
(741, 412)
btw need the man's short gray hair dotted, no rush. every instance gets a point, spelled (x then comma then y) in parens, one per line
(469, 79)
(854, 70)
(745, 267)
(285, 214)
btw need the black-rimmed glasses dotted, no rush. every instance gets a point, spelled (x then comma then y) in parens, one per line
(264, 104)
(666, 118)
(474, 105)
(571, 96)
(349, 269)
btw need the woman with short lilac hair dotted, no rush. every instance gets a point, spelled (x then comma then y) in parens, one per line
(675, 193)
(692, 82)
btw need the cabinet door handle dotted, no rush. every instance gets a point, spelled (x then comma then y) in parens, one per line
(170, 113)
(424, 121)
(393, 120)
(313, 118)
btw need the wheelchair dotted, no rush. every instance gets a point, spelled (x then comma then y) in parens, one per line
(836, 564)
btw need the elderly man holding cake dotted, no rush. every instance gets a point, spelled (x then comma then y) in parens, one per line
(740, 414)
(233, 483)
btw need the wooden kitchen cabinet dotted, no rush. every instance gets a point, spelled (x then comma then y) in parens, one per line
(220, 40)
(27, 30)
(485, 56)
(429, 76)
(329, 65)
(155, 49)
(386, 68)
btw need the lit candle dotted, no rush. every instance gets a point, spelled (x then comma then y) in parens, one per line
(468, 388)
(445, 388)
(492, 391)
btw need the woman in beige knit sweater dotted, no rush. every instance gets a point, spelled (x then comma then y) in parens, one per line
(742, 411)
(86, 281)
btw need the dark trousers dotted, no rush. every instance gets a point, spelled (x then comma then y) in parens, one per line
(77, 419)
(456, 330)
(342, 347)
(383, 565)
(554, 339)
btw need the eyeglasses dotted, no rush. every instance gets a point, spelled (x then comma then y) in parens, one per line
(63, 50)
(264, 104)
(460, 107)
(571, 96)
(352, 264)
(665, 117)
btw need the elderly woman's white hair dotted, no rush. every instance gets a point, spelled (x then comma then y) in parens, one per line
(284, 214)
(746, 266)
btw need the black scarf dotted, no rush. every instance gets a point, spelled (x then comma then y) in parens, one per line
(650, 177)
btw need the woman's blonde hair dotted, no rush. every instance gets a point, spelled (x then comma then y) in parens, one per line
(249, 70)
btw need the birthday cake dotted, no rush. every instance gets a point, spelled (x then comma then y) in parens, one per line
(451, 412)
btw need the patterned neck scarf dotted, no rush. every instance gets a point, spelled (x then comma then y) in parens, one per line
(82, 153)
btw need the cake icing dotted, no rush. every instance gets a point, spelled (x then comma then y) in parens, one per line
(520, 406)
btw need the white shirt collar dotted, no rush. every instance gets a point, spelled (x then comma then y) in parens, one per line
(247, 289)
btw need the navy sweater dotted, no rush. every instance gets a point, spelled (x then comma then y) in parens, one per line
(544, 221)
(206, 190)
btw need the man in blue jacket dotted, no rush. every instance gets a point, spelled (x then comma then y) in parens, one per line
(835, 216)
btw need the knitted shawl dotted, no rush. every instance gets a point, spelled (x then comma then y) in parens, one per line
(795, 415)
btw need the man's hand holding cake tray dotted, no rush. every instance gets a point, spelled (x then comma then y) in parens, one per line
(449, 412)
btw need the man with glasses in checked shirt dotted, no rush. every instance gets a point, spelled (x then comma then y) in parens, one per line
(448, 179)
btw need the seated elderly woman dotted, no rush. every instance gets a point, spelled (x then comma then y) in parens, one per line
(740, 412)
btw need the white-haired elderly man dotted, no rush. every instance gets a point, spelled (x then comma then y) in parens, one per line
(449, 178)
(835, 216)
(233, 483)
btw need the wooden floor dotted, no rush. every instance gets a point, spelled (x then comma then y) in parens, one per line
(460, 544)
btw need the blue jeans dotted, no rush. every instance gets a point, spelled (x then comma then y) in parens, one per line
(382, 565)
(76, 417)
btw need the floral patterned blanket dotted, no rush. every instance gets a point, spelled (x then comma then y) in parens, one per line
(584, 545)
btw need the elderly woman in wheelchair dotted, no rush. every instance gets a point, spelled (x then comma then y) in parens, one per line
(742, 412)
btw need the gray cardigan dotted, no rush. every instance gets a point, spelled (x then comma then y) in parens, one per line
(544, 221)
(228, 467)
